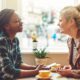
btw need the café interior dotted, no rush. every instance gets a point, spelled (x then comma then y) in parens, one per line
(41, 30)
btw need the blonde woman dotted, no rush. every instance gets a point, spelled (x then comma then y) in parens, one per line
(69, 23)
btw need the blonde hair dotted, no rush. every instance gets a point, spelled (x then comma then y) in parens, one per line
(72, 12)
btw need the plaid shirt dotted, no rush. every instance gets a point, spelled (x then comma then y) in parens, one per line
(10, 58)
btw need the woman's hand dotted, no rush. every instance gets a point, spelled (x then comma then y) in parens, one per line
(39, 67)
(67, 67)
(42, 67)
(65, 72)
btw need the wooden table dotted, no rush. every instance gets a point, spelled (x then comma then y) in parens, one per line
(55, 76)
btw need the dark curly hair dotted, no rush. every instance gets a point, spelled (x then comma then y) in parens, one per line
(5, 16)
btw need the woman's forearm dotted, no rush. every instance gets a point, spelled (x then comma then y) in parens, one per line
(27, 67)
(28, 73)
(76, 73)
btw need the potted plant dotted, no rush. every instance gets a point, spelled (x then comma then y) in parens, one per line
(41, 56)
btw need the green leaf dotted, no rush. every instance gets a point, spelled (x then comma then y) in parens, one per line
(40, 53)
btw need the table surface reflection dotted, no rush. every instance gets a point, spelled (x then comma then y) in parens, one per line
(55, 76)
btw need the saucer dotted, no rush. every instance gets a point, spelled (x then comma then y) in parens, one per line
(43, 78)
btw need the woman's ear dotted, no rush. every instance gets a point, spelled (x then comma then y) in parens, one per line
(6, 27)
(72, 21)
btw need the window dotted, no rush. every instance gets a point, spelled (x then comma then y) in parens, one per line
(0, 4)
(40, 17)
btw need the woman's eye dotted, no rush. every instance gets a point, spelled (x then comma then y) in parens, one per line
(17, 21)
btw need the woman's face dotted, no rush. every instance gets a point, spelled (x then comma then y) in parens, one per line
(15, 24)
(64, 25)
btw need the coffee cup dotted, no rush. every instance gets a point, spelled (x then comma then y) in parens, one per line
(44, 73)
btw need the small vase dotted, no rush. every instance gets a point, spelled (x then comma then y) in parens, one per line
(34, 45)
(41, 61)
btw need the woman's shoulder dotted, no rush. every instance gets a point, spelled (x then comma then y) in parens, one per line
(2, 36)
(2, 39)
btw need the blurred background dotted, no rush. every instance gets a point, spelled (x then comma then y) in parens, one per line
(40, 20)
(40, 17)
